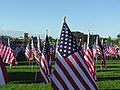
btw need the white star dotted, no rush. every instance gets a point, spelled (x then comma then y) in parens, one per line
(64, 50)
(66, 35)
(65, 46)
(69, 52)
(60, 50)
(65, 42)
(69, 40)
(62, 34)
(66, 39)
(69, 47)
(62, 38)
(70, 44)
(64, 54)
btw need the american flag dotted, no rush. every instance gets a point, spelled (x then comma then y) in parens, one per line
(103, 55)
(112, 50)
(27, 51)
(45, 63)
(98, 49)
(37, 53)
(70, 71)
(7, 54)
(89, 57)
(3, 73)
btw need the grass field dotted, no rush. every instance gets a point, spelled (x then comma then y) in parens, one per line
(22, 77)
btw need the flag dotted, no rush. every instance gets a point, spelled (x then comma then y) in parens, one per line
(45, 63)
(37, 53)
(98, 49)
(7, 54)
(27, 51)
(32, 50)
(70, 71)
(3, 73)
(89, 57)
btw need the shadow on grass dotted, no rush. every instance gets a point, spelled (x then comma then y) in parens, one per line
(24, 77)
(108, 70)
(107, 78)
(109, 67)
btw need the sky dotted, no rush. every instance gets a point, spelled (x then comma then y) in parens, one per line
(35, 16)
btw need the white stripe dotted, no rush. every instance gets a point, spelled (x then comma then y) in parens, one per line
(70, 72)
(57, 83)
(43, 63)
(64, 78)
(81, 71)
(8, 57)
(2, 81)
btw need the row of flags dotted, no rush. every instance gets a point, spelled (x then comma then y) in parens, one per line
(73, 69)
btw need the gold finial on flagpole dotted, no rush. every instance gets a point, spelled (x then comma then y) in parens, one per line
(64, 18)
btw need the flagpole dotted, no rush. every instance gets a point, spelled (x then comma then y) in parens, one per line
(10, 66)
(36, 73)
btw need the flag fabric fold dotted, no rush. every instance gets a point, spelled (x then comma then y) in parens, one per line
(7, 55)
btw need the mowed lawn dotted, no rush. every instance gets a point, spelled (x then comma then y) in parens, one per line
(22, 77)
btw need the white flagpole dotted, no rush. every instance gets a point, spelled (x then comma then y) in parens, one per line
(9, 46)
(102, 45)
(38, 48)
(32, 47)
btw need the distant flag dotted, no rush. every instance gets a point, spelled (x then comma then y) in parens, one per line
(89, 57)
(32, 50)
(45, 63)
(37, 53)
(98, 49)
(102, 54)
(27, 51)
(3, 73)
(70, 71)
(7, 54)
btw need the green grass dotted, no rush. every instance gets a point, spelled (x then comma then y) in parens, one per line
(22, 77)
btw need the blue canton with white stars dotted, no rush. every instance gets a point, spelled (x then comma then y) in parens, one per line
(67, 43)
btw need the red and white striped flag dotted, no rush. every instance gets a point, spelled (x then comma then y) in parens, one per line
(70, 70)
(37, 52)
(3, 73)
(89, 57)
(27, 51)
(7, 54)
(45, 63)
